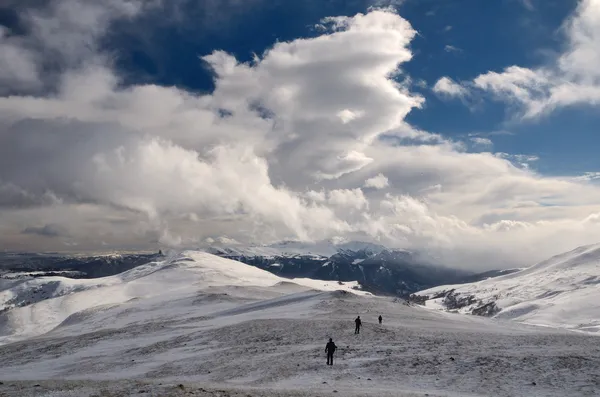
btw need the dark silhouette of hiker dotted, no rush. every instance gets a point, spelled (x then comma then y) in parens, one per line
(380, 319)
(330, 348)
(358, 324)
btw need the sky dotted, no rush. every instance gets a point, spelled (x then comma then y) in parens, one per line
(464, 130)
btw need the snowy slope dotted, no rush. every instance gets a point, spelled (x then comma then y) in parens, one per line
(219, 327)
(563, 291)
(36, 306)
(268, 339)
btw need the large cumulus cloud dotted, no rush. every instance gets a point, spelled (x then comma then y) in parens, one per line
(307, 141)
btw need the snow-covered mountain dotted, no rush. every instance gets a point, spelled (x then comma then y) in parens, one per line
(325, 248)
(31, 307)
(196, 324)
(563, 291)
(378, 269)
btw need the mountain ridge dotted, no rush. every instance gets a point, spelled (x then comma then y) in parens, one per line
(30, 307)
(561, 291)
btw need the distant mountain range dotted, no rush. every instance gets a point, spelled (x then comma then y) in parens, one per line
(13, 265)
(377, 269)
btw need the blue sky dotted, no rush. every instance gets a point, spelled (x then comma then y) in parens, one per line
(485, 36)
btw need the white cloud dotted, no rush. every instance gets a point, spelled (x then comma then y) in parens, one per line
(588, 176)
(347, 198)
(347, 115)
(50, 230)
(227, 241)
(451, 48)
(17, 65)
(482, 142)
(379, 181)
(519, 160)
(387, 3)
(572, 79)
(421, 83)
(447, 87)
(287, 146)
(333, 168)
(528, 4)
(62, 34)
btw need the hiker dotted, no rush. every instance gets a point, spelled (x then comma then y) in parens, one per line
(380, 319)
(330, 348)
(358, 324)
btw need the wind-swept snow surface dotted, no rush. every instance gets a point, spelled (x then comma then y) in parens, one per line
(563, 291)
(205, 326)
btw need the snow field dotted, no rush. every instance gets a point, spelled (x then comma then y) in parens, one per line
(227, 329)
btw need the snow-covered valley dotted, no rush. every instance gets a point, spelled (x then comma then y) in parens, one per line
(197, 324)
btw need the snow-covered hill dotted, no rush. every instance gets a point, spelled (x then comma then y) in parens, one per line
(35, 306)
(197, 324)
(563, 291)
